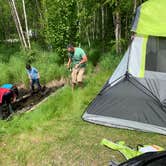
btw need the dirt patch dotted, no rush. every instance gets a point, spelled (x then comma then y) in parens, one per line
(27, 100)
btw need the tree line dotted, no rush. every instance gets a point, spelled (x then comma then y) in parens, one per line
(55, 23)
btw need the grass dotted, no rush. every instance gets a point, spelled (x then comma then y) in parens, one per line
(55, 134)
(12, 65)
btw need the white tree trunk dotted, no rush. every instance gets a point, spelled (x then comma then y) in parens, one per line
(26, 24)
(135, 6)
(79, 5)
(117, 32)
(87, 35)
(93, 26)
(102, 27)
(117, 22)
(18, 22)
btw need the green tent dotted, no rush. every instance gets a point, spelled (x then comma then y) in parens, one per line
(150, 18)
(134, 97)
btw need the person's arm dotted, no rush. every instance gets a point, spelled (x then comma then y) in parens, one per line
(29, 76)
(68, 63)
(38, 75)
(14, 96)
(83, 60)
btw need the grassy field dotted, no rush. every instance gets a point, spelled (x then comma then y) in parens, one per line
(13, 61)
(55, 134)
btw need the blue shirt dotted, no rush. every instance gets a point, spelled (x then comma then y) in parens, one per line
(33, 73)
(7, 86)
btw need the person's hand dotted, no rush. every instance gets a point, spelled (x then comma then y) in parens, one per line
(67, 66)
(76, 66)
(14, 100)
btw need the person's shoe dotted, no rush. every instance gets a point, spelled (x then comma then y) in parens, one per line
(80, 84)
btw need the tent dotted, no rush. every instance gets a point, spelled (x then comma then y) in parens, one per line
(134, 97)
(146, 159)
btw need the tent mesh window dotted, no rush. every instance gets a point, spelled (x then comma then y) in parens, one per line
(156, 54)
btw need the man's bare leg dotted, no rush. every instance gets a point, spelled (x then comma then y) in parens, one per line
(73, 86)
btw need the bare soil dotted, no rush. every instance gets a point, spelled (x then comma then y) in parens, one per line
(26, 100)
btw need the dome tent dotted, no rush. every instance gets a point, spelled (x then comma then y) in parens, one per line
(134, 97)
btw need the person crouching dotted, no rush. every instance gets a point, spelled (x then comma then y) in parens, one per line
(7, 96)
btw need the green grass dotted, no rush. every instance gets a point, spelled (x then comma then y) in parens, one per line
(13, 67)
(55, 134)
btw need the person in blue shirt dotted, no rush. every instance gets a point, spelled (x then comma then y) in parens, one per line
(34, 77)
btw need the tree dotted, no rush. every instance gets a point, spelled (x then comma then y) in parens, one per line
(18, 23)
(26, 25)
(97, 23)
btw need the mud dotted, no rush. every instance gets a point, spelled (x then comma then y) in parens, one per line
(27, 100)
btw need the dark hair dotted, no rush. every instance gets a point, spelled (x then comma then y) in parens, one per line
(28, 66)
(15, 90)
(70, 46)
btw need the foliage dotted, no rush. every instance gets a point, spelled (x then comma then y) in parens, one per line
(109, 61)
(13, 65)
(60, 24)
(55, 23)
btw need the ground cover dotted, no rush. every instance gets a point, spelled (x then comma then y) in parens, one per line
(55, 134)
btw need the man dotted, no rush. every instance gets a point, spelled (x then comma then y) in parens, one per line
(34, 77)
(77, 61)
(8, 94)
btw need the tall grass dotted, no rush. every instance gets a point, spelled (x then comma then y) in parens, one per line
(64, 101)
(13, 60)
(13, 70)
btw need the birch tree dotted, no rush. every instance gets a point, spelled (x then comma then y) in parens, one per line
(17, 23)
(26, 25)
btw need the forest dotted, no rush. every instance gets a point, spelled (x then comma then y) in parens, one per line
(53, 24)
(42, 29)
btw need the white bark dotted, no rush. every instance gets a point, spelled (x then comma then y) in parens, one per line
(18, 22)
(135, 6)
(117, 22)
(102, 27)
(117, 32)
(26, 25)
(93, 26)
(88, 39)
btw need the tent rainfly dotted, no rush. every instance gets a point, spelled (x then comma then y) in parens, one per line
(135, 95)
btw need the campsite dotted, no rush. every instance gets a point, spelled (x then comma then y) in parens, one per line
(83, 83)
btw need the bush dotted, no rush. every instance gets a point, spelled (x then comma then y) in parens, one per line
(94, 56)
(13, 70)
(109, 61)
